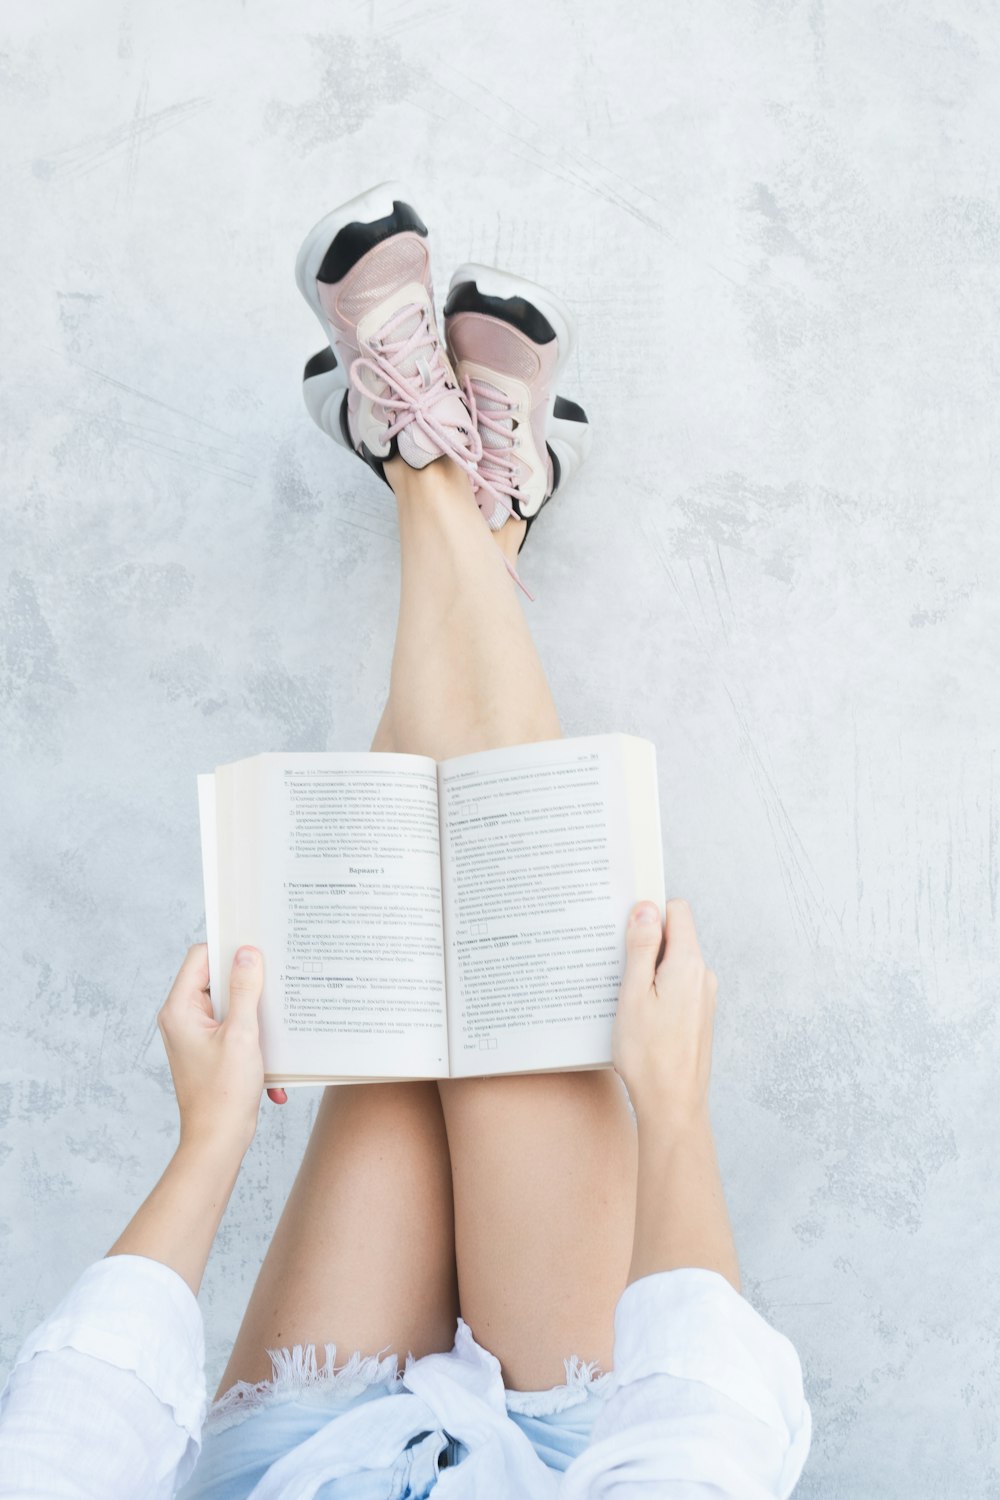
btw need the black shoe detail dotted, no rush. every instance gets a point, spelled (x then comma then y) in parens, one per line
(556, 476)
(364, 452)
(568, 411)
(378, 464)
(355, 240)
(320, 364)
(344, 425)
(517, 311)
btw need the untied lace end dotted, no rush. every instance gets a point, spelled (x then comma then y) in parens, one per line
(518, 579)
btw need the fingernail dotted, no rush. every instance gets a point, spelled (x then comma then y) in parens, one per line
(647, 913)
(245, 958)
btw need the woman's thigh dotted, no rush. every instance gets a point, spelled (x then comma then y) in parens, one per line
(543, 1167)
(544, 1181)
(363, 1255)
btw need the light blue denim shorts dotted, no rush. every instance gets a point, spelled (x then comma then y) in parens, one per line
(251, 1427)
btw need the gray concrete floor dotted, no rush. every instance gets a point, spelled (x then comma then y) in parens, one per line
(778, 224)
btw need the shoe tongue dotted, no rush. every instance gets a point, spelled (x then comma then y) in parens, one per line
(400, 329)
(495, 400)
(490, 398)
(415, 446)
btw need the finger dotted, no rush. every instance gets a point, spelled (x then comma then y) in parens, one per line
(642, 947)
(682, 937)
(202, 1001)
(192, 977)
(245, 984)
(194, 969)
(277, 1096)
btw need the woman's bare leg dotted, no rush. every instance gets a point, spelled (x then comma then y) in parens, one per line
(364, 1253)
(465, 673)
(544, 1167)
(543, 1253)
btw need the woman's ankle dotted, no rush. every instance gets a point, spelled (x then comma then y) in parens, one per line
(442, 494)
(441, 480)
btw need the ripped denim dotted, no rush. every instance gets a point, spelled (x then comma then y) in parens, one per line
(296, 1376)
(254, 1424)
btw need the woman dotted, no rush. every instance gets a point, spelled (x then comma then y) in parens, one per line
(537, 1292)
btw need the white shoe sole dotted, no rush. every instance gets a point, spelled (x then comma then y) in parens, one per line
(570, 442)
(324, 396)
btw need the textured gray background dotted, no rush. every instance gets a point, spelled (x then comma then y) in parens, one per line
(779, 226)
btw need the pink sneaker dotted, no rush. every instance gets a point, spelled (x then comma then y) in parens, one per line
(509, 341)
(385, 385)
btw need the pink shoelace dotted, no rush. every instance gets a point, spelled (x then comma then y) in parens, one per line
(412, 396)
(496, 474)
(497, 467)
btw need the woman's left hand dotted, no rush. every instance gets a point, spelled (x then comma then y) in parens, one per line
(217, 1067)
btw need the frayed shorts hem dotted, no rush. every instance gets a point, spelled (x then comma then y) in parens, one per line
(298, 1375)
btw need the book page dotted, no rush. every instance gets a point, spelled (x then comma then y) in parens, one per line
(329, 864)
(210, 878)
(545, 848)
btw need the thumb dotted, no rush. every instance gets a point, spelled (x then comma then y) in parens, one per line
(642, 947)
(245, 984)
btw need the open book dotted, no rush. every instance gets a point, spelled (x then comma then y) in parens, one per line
(424, 920)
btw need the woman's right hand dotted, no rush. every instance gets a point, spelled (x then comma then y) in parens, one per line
(662, 1039)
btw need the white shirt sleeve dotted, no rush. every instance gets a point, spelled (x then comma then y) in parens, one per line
(706, 1400)
(106, 1399)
